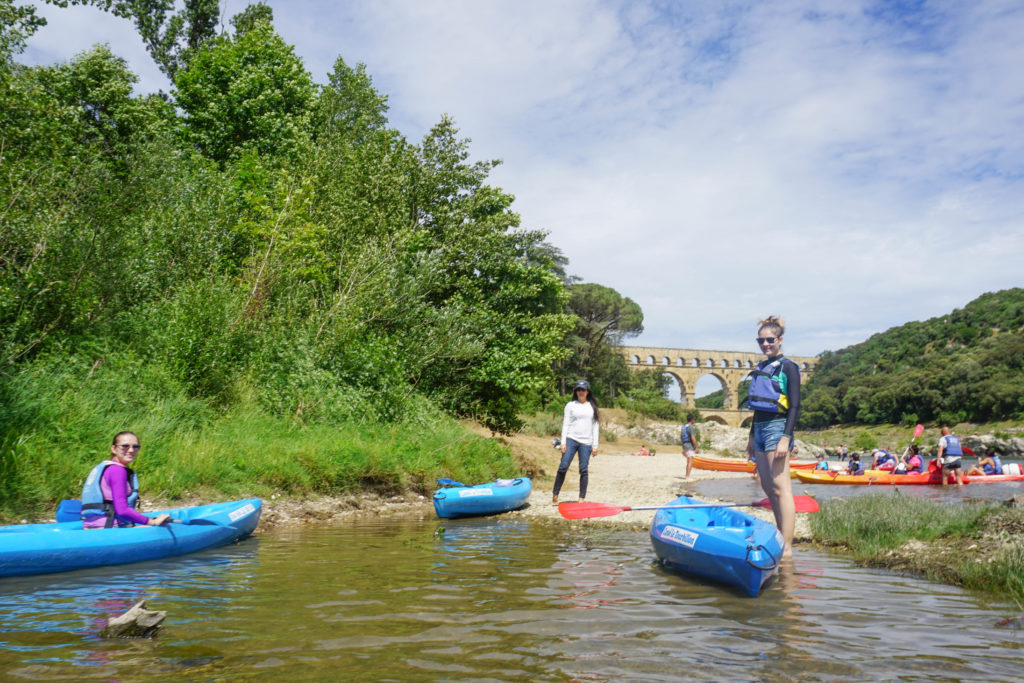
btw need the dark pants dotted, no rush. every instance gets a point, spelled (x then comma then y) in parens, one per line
(571, 448)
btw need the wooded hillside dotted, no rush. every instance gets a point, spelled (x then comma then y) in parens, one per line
(968, 365)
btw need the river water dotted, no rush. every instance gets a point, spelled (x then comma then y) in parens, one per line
(501, 598)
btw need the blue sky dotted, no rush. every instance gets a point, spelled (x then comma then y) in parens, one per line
(848, 165)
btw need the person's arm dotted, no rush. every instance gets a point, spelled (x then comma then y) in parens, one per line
(117, 479)
(596, 435)
(793, 394)
(565, 424)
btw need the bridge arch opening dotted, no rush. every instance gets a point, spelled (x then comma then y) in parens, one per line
(677, 390)
(715, 390)
(635, 360)
(716, 418)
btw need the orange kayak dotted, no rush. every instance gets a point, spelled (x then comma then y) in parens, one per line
(737, 465)
(878, 477)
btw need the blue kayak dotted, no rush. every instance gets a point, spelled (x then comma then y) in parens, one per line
(63, 546)
(483, 499)
(717, 543)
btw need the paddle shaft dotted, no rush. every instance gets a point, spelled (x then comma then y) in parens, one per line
(760, 503)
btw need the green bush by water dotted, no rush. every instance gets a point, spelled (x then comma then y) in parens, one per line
(59, 417)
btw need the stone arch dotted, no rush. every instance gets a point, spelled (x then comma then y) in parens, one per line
(709, 363)
(650, 360)
(746, 421)
(664, 360)
(749, 365)
(716, 418)
(685, 393)
(728, 391)
(635, 360)
(694, 362)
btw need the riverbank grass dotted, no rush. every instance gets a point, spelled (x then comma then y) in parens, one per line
(975, 545)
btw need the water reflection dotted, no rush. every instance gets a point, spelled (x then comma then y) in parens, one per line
(497, 598)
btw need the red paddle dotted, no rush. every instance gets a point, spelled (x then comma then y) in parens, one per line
(590, 510)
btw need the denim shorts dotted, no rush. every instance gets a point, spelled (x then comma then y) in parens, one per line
(768, 434)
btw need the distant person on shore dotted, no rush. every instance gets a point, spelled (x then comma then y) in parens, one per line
(111, 490)
(774, 394)
(688, 436)
(949, 456)
(643, 450)
(989, 464)
(843, 453)
(580, 432)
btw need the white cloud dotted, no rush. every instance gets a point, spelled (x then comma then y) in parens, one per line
(848, 166)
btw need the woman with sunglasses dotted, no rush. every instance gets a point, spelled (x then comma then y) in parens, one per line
(774, 394)
(579, 435)
(111, 490)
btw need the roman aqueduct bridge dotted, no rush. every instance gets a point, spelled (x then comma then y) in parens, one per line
(730, 368)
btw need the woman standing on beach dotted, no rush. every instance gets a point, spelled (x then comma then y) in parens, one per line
(774, 395)
(579, 435)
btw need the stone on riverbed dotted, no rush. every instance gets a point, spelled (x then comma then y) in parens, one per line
(138, 622)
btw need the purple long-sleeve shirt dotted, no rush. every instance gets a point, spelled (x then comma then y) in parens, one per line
(115, 482)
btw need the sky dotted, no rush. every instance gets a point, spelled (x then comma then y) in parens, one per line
(849, 165)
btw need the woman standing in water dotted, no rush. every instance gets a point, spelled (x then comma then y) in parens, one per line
(774, 395)
(579, 435)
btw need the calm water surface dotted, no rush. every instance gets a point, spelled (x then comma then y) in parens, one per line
(495, 599)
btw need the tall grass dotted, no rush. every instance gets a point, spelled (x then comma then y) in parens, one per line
(976, 545)
(58, 417)
(878, 522)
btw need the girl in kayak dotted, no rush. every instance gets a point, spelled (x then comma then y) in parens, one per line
(774, 394)
(579, 435)
(111, 490)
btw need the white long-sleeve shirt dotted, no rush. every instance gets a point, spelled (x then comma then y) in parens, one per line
(579, 424)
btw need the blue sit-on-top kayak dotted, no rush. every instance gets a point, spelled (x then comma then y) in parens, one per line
(63, 546)
(483, 499)
(717, 543)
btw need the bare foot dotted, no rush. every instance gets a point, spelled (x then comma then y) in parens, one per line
(554, 500)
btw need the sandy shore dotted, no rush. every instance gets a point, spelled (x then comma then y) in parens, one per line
(616, 477)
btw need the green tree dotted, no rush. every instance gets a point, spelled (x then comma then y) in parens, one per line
(170, 37)
(247, 92)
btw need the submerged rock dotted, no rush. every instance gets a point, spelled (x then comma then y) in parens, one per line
(138, 622)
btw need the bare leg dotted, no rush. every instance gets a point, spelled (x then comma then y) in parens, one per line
(773, 471)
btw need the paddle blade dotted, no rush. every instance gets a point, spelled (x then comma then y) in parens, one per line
(802, 504)
(968, 451)
(588, 510)
(918, 430)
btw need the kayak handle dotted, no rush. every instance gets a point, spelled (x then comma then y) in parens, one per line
(755, 548)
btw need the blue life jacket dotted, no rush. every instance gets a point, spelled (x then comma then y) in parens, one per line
(93, 503)
(767, 391)
(687, 435)
(859, 469)
(885, 457)
(998, 469)
(952, 446)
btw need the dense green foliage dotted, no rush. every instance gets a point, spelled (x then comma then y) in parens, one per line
(968, 365)
(269, 252)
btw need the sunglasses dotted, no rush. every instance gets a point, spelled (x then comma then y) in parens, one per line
(767, 340)
(128, 446)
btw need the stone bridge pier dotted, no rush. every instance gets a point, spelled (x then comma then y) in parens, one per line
(688, 366)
